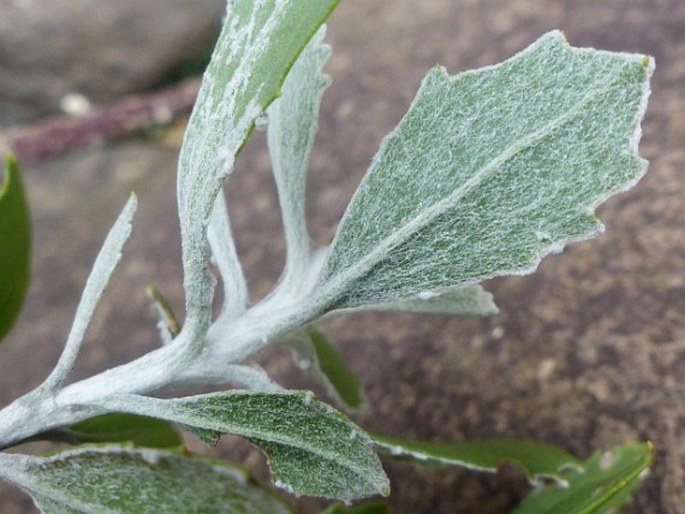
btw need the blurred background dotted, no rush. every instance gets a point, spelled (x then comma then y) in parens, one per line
(587, 353)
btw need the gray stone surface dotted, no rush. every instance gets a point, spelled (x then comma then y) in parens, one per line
(97, 48)
(586, 353)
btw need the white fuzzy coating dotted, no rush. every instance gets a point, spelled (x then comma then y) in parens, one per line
(105, 263)
(255, 50)
(293, 123)
(414, 242)
(236, 294)
(490, 171)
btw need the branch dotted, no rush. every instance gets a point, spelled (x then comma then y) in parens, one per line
(61, 134)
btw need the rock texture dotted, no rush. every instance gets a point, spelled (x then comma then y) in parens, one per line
(586, 353)
(98, 49)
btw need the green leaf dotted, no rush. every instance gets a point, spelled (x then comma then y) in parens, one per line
(312, 448)
(15, 245)
(292, 127)
(538, 460)
(257, 46)
(490, 171)
(118, 479)
(377, 507)
(321, 359)
(121, 428)
(604, 482)
(467, 302)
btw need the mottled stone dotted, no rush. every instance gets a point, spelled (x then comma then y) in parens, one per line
(101, 50)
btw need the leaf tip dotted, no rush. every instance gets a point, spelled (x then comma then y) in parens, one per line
(9, 171)
(651, 450)
(130, 207)
(558, 35)
(10, 159)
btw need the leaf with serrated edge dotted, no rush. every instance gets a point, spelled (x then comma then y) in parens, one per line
(256, 48)
(489, 171)
(603, 482)
(319, 357)
(466, 302)
(15, 245)
(122, 480)
(538, 460)
(312, 448)
(293, 124)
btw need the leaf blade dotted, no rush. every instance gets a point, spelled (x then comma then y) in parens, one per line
(220, 236)
(465, 302)
(606, 480)
(320, 358)
(341, 378)
(538, 460)
(503, 179)
(123, 479)
(15, 245)
(140, 431)
(377, 507)
(256, 48)
(313, 449)
(105, 263)
(293, 123)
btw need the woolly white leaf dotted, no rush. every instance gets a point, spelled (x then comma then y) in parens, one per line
(312, 448)
(256, 48)
(252, 377)
(223, 248)
(107, 259)
(490, 171)
(121, 480)
(292, 127)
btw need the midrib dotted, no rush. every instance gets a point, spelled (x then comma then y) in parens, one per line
(338, 284)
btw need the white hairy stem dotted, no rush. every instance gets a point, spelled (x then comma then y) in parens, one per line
(226, 346)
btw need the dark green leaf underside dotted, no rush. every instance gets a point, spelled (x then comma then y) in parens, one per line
(120, 428)
(377, 507)
(341, 379)
(537, 459)
(605, 481)
(15, 245)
